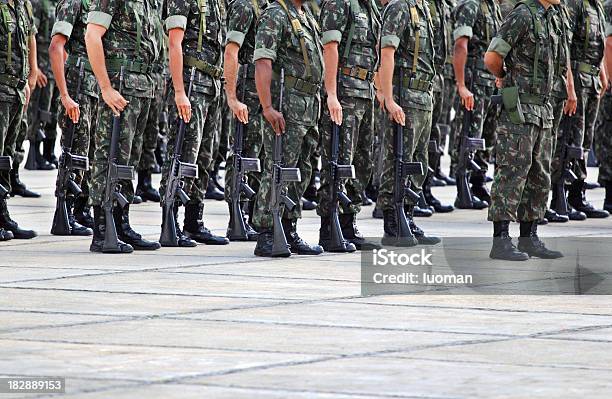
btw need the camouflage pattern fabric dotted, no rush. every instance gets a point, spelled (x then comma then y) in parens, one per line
(143, 153)
(523, 151)
(603, 140)
(276, 41)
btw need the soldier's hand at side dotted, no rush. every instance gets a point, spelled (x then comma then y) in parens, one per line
(571, 103)
(71, 107)
(114, 100)
(183, 106)
(396, 113)
(240, 110)
(467, 98)
(499, 83)
(335, 109)
(276, 119)
(41, 79)
(381, 99)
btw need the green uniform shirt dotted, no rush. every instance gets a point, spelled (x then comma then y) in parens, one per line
(242, 17)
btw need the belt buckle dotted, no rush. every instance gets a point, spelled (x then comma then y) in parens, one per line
(363, 73)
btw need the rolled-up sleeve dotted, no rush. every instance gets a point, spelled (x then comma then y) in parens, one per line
(176, 21)
(395, 20)
(333, 20)
(240, 17)
(465, 15)
(269, 33)
(63, 28)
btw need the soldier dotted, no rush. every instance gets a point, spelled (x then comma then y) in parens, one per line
(587, 37)
(603, 137)
(195, 41)
(119, 37)
(476, 23)
(349, 37)
(68, 36)
(523, 55)
(242, 18)
(18, 72)
(407, 48)
(287, 39)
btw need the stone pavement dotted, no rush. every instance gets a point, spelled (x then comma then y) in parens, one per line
(217, 322)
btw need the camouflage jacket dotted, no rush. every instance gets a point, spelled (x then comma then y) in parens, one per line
(563, 59)
(277, 41)
(587, 37)
(338, 19)
(242, 17)
(44, 18)
(16, 27)
(608, 12)
(478, 20)
(518, 43)
(160, 39)
(404, 21)
(71, 22)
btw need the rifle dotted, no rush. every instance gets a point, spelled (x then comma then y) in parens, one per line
(68, 163)
(402, 171)
(114, 175)
(175, 183)
(41, 117)
(280, 176)
(337, 196)
(569, 154)
(6, 164)
(466, 165)
(237, 230)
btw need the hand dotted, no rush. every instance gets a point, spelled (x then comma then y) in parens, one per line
(571, 103)
(396, 113)
(114, 100)
(604, 84)
(72, 108)
(240, 110)
(28, 92)
(276, 119)
(335, 109)
(32, 79)
(41, 79)
(380, 98)
(183, 106)
(499, 82)
(467, 98)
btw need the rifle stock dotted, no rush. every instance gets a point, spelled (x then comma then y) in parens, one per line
(40, 118)
(569, 154)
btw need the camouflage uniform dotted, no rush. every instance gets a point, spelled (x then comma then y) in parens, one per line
(242, 17)
(478, 20)
(200, 132)
(355, 93)
(522, 174)
(128, 42)
(449, 89)
(399, 29)
(603, 136)
(275, 40)
(71, 22)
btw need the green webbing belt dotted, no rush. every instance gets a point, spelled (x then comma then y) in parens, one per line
(203, 66)
(202, 8)
(297, 30)
(6, 17)
(416, 25)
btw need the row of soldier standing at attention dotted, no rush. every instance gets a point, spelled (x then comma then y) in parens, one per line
(371, 91)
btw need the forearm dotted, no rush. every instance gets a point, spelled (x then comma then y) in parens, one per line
(56, 56)
(230, 70)
(175, 64)
(608, 55)
(459, 61)
(95, 53)
(33, 61)
(385, 72)
(495, 64)
(330, 58)
(263, 81)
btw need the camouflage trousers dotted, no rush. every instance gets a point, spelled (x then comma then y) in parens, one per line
(558, 139)
(225, 125)
(415, 139)
(10, 123)
(299, 142)
(450, 103)
(355, 147)
(603, 140)
(144, 159)
(436, 118)
(133, 122)
(380, 125)
(252, 143)
(522, 172)
(198, 144)
(579, 128)
(44, 99)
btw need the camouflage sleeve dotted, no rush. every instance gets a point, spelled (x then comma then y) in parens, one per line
(512, 31)
(33, 29)
(239, 18)
(270, 32)
(177, 12)
(334, 18)
(465, 15)
(66, 12)
(101, 12)
(574, 11)
(608, 14)
(395, 21)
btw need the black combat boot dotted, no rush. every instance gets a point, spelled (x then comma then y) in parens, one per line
(530, 243)
(377, 213)
(348, 223)
(365, 200)
(49, 151)
(308, 205)
(371, 191)
(553, 217)
(194, 226)
(145, 189)
(325, 240)
(41, 162)
(479, 187)
(18, 187)
(212, 192)
(97, 241)
(608, 200)
(183, 240)
(390, 236)
(9, 224)
(126, 233)
(76, 229)
(502, 244)
(577, 199)
(434, 202)
(250, 231)
(296, 244)
(419, 234)
(82, 212)
(136, 199)
(265, 243)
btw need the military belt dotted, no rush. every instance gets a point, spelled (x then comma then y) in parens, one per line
(301, 85)
(535, 99)
(358, 73)
(410, 82)
(587, 68)
(13, 81)
(76, 62)
(115, 64)
(203, 66)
